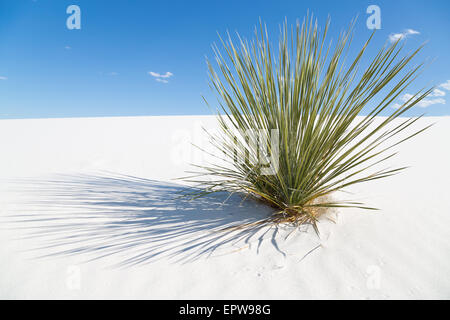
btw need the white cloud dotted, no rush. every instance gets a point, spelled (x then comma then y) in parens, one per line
(445, 85)
(3, 78)
(157, 75)
(113, 73)
(393, 37)
(406, 97)
(428, 102)
(161, 77)
(411, 31)
(67, 47)
(424, 103)
(437, 93)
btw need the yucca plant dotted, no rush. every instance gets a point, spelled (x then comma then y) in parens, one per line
(297, 110)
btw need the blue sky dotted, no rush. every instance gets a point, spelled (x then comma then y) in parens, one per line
(110, 66)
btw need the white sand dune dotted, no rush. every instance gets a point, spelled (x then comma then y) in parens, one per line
(89, 209)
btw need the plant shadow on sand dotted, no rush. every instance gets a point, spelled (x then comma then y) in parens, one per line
(138, 219)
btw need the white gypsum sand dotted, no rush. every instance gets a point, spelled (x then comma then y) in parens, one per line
(88, 209)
